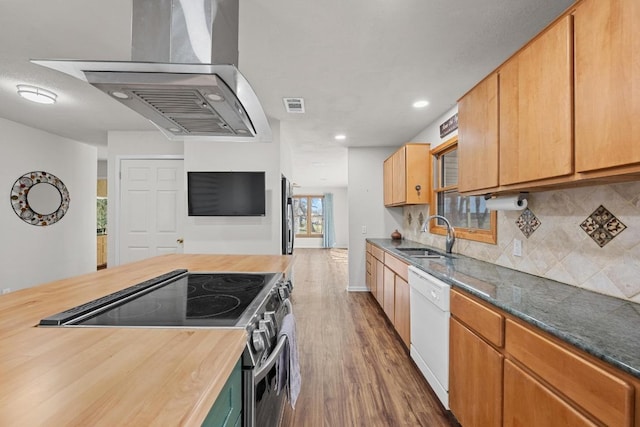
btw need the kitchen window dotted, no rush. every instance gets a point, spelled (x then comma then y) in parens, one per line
(467, 214)
(308, 213)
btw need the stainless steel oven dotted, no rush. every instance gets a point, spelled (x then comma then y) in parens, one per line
(257, 302)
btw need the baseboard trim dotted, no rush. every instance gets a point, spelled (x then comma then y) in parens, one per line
(357, 289)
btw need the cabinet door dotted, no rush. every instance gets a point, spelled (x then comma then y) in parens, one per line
(528, 403)
(536, 109)
(417, 174)
(402, 313)
(227, 409)
(478, 137)
(607, 84)
(387, 173)
(379, 294)
(475, 379)
(399, 170)
(389, 293)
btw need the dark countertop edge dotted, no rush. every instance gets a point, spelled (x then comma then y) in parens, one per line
(558, 333)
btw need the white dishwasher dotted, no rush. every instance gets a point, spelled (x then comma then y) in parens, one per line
(430, 330)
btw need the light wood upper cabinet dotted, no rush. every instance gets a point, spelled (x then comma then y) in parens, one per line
(536, 108)
(404, 170)
(388, 181)
(607, 84)
(102, 188)
(478, 137)
(398, 172)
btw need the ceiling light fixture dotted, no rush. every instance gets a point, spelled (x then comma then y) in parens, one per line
(37, 94)
(340, 137)
(420, 104)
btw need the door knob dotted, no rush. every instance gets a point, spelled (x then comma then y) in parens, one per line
(180, 240)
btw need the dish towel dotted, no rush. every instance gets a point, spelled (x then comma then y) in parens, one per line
(288, 364)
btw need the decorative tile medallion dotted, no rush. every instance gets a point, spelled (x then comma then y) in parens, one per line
(409, 218)
(527, 222)
(602, 226)
(421, 219)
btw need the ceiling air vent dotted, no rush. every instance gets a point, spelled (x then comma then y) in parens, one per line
(294, 105)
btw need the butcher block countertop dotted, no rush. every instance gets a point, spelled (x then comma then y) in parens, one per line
(115, 376)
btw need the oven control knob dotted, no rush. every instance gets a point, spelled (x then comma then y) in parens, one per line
(284, 292)
(259, 339)
(267, 325)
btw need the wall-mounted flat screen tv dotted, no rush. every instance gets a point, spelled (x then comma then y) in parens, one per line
(226, 193)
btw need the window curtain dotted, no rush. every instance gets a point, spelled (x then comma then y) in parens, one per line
(329, 235)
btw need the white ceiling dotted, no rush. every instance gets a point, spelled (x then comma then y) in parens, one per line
(359, 65)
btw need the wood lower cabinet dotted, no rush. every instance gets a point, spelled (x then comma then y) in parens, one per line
(389, 293)
(475, 377)
(536, 108)
(504, 371)
(607, 84)
(379, 294)
(478, 137)
(407, 176)
(402, 313)
(577, 381)
(391, 290)
(527, 402)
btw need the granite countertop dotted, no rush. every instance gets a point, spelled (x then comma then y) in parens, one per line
(604, 326)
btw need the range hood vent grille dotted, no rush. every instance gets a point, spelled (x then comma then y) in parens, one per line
(187, 109)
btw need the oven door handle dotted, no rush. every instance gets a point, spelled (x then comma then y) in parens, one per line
(275, 354)
(271, 360)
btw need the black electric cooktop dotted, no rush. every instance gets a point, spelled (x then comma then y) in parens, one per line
(190, 299)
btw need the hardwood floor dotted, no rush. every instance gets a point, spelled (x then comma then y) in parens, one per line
(355, 369)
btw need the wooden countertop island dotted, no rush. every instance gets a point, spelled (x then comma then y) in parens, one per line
(115, 376)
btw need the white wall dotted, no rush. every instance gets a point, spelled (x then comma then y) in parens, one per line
(32, 255)
(237, 235)
(431, 133)
(340, 215)
(366, 207)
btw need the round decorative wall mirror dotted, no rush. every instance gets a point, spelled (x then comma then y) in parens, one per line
(39, 198)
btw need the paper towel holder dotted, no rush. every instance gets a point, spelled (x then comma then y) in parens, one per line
(509, 203)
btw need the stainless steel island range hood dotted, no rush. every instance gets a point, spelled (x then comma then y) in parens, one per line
(183, 75)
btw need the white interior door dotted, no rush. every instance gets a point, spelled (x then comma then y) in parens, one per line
(151, 208)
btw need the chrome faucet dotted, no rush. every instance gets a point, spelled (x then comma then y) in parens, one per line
(451, 232)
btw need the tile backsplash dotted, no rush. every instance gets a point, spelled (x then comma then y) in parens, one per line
(587, 237)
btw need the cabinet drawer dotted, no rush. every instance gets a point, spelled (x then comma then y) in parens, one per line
(476, 316)
(605, 396)
(400, 267)
(377, 252)
(368, 246)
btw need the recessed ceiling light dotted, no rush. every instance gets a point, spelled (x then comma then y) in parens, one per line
(340, 137)
(37, 94)
(119, 95)
(420, 104)
(215, 97)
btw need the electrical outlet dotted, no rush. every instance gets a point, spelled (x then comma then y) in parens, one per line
(6, 291)
(364, 229)
(517, 247)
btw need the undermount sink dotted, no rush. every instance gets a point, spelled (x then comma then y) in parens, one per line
(420, 253)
